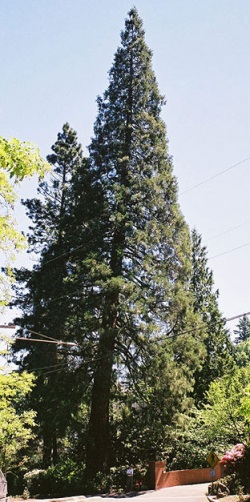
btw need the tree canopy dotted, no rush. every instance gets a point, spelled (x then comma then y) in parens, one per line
(17, 161)
(16, 422)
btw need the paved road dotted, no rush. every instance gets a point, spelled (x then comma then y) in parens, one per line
(185, 493)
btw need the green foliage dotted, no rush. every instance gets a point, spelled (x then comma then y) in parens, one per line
(225, 415)
(68, 478)
(242, 331)
(225, 486)
(242, 354)
(115, 480)
(245, 403)
(218, 359)
(16, 423)
(145, 244)
(58, 481)
(17, 161)
(20, 159)
(45, 297)
(222, 421)
(187, 450)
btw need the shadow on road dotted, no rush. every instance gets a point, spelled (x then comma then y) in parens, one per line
(122, 495)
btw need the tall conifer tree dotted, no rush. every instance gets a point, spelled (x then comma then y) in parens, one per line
(44, 294)
(143, 296)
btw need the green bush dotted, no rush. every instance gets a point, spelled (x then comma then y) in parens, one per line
(68, 478)
(186, 455)
(60, 480)
(230, 484)
(115, 481)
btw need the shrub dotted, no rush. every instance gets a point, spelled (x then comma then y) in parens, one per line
(236, 462)
(60, 480)
(68, 478)
(116, 480)
(233, 457)
(228, 485)
(186, 455)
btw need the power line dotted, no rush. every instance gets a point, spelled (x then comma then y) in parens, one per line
(58, 366)
(59, 342)
(228, 230)
(229, 251)
(43, 336)
(49, 339)
(215, 176)
(64, 254)
(165, 337)
(237, 316)
(7, 326)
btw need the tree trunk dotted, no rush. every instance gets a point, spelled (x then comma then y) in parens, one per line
(98, 438)
(47, 449)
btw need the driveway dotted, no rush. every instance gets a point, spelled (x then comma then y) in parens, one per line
(184, 493)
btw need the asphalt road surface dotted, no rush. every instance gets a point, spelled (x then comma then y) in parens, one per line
(184, 493)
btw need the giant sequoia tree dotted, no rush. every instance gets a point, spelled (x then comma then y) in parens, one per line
(143, 295)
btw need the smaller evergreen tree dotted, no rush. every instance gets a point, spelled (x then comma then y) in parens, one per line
(242, 330)
(242, 353)
(217, 343)
(44, 295)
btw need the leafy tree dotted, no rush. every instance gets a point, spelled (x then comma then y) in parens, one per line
(17, 161)
(218, 346)
(245, 403)
(225, 415)
(243, 330)
(20, 159)
(143, 294)
(16, 423)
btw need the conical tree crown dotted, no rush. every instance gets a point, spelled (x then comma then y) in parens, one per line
(242, 330)
(129, 158)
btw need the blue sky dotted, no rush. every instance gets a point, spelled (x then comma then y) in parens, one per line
(55, 56)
